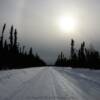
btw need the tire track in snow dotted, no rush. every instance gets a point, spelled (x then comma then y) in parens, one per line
(21, 87)
(90, 88)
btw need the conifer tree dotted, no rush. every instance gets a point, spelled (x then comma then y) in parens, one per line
(2, 37)
(11, 37)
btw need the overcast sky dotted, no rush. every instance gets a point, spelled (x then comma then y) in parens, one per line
(36, 21)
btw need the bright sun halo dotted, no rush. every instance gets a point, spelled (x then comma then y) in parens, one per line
(67, 24)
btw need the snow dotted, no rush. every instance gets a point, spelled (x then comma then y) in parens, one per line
(50, 83)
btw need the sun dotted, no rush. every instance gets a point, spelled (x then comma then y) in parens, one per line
(67, 23)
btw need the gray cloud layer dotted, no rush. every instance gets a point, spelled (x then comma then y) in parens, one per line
(35, 20)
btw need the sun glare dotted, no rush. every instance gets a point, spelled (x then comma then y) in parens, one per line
(67, 24)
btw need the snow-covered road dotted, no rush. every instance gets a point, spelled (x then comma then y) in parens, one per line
(49, 83)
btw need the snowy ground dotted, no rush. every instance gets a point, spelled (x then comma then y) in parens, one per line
(49, 83)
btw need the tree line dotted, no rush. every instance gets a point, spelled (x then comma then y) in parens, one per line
(82, 57)
(12, 55)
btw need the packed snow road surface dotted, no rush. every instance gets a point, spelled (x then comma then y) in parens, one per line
(49, 83)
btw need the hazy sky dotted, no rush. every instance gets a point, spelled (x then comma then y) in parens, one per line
(36, 21)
